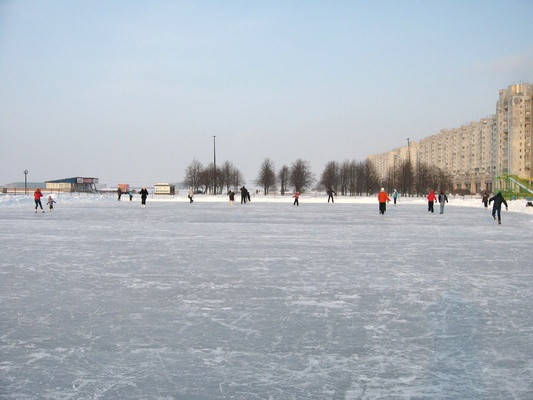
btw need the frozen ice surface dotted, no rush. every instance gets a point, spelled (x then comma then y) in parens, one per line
(108, 300)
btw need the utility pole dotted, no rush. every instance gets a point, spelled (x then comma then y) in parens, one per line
(25, 181)
(215, 165)
(408, 151)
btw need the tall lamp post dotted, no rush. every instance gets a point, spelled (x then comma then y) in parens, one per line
(215, 164)
(25, 181)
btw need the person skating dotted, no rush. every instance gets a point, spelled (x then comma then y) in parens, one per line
(383, 199)
(144, 194)
(119, 192)
(497, 206)
(395, 196)
(244, 195)
(485, 200)
(50, 202)
(443, 199)
(296, 197)
(191, 194)
(330, 193)
(431, 200)
(37, 197)
(231, 195)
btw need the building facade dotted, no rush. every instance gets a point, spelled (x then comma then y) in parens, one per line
(473, 155)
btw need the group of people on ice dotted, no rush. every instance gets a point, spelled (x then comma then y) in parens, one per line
(37, 197)
(383, 198)
(442, 198)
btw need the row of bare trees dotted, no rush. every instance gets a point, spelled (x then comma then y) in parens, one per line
(298, 176)
(347, 178)
(212, 180)
(416, 180)
(350, 178)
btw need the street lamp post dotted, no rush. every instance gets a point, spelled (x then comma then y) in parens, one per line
(215, 165)
(25, 181)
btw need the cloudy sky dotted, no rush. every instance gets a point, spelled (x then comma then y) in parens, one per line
(133, 91)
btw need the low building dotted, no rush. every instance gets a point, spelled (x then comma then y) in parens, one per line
(21, 187)
(165, 188)
(76, 184)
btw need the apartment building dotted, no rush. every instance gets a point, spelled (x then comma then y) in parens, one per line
(475, 153)
(513, 114)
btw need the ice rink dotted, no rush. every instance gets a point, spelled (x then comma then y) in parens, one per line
(107, 300)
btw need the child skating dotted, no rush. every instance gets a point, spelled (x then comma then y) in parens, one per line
(296, 197)
(50, 202)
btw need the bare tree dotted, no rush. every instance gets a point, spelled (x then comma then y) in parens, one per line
(330, 176)
(283, 178)
(344, 177)
(367, 178)
(430, 178)
(237, 178)
(205, 180)
(301, 176)
(406, 178)
(225, 177)
(193, 175)
(267, 175)
(353, 176)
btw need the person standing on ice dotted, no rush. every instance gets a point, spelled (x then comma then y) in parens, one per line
(383, 199)
(330, 193)
(442, 200)
(144, 194)
(485, 200)
(191, 194)
(244, 195)
(231, 195)
(37, 197)
(50, 203)
(119, 192)
(497, 206)
(395, 196)
(296, 197)
(431, 200)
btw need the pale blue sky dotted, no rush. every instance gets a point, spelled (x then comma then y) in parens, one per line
(133, 91)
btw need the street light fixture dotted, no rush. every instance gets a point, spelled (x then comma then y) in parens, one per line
(215, 164)
(25, 181)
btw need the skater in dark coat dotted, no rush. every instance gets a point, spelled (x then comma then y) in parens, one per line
(231, 195)
(442, 200)
(497, 206)
(485, 199)
(330, 193)
(144, 195)
(244, 195)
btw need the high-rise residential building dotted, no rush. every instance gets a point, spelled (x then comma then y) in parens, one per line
(473, 155)
(513, 119)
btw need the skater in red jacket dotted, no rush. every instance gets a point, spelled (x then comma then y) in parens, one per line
(296, 197)
(431, 200)
(37, 197)
(383, 199)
